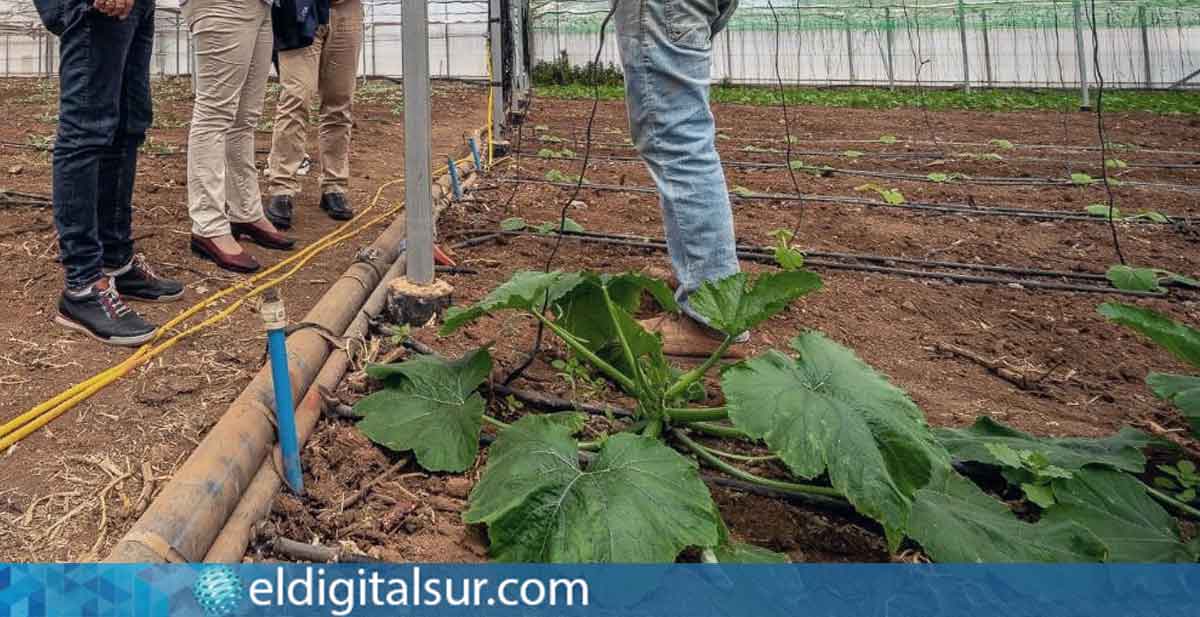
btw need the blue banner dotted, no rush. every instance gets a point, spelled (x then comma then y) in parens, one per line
(430, 590)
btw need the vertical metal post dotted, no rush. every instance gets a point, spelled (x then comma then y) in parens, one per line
(962, 35)
(364, 48)
(7, 56)
(557, 30)
(374, 66)
(446, 34)
(987, 48)
(890, 27)
(1085, 98)
(178, 61)
(418, 192)
(497, 71)
(1145, 45)
(850, 51)
(728, 54)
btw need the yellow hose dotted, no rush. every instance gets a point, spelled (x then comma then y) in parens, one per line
(23, 425)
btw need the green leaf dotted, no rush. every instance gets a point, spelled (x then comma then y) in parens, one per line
(1102, 210)
(1181, 390)
(887, 139)
(428, 405)
(1151, 215)
(526, 291)
(555, 175)
(852, 154)
(1179, 339)
(1039, 494)
(584, 314)
(547, 153)
(976, 443)
(789, 258)
(1115, 507)
(741, 191)
(736, 304)
(829, 412)
(1127, 278)
(956, 522)
(939, 177)
(570, 226)
(892, 196)
(738, 552)
(515, 223)
(1079, 179)
(637, 501)
(1003, 144)
(1116, 164)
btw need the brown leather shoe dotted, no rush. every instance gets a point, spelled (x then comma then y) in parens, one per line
(242, 262)
(262, 237)
(682, 336)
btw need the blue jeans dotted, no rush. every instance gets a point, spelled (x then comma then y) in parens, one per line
(666, 54)
(104, 111)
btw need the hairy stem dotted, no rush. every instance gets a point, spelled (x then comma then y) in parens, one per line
(630, 359)
(707, 456)
(719, 430)
(696, 374)
(706, 414)
(579, 348)
(496, 423)
(743, 457)
(1171, 501)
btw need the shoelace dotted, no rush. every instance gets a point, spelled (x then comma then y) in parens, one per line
(114, 307)
(142, 266)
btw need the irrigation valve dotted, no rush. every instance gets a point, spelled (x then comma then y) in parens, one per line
(417, 305)
(275, 322)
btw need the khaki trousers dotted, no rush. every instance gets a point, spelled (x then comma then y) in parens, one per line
(326, 69)
(233, 43)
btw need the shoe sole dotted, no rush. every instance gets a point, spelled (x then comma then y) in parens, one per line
(280, 247)
(280, 224)
(201, 254)
(158, 300)
(337, 216)
(119, 341)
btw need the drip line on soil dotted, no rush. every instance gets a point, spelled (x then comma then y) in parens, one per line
(758, 255)
(965, 209)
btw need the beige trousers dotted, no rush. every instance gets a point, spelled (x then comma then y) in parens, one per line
(325, 69)
(233, 43)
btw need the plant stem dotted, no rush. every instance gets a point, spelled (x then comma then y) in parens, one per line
(653, 428)
(686, 415)
(719, 430)
(496, 423)
(590, 446)
(630, 359)
(694, 375)
(792, 487)
(742, 457)
(1171, 501)
(579, 348)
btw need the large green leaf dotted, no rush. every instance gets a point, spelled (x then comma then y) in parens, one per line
(637, 501)
(1177, 338)
(829, 412)
(526, 290)
(1128, 278)
(956, 522)
(429, 405)
(584, 314)
(736, 303)
(1182, 390)
(1121, 451)
(1115, 507)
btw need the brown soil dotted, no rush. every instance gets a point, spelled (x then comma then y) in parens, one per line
(1088, 372)
(158, 413)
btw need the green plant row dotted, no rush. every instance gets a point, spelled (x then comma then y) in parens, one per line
(834, 427)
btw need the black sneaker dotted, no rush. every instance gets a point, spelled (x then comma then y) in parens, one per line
(137, 281)
(100, 314)
(334, 204)
(279, 211)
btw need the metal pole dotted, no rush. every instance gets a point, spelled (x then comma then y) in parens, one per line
(7, 55)
(374, 66)
(962, 34)
(1145, 45)
(177, 42)
(850, 51)
(446, 34)
(418, 191)
(1085, 96)
(987, 49)
(497, 70)
(891, 47)
(728, 54)
(365, 68)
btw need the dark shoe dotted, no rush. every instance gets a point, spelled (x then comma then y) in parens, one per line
(100, 314)
(137, 281)
(279, 211)
(262, 237)
(242, 262)
(334, 204)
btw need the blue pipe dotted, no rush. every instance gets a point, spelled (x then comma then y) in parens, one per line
(285, 408)
(475, 153)
(454, 185)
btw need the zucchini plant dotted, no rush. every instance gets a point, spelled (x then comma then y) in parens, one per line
(835, 429)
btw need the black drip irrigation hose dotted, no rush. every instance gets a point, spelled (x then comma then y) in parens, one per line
(958, 181)
(964, 209)
(759, 255)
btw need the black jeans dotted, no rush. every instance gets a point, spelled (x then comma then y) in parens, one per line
(104, 111)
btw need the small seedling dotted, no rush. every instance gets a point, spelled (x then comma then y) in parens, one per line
(887, 139)
(515, 223)
(1031, 471)
(1131, 278)
(788, 257)
(945, 178)
(1081, 179)
(741, 191)
(892, 196)
(853, 154)
(1181, 480)
(398, 334)
(1002, 144)
(583, 381)
(1116, 164)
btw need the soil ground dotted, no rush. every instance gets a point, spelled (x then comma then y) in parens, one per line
(158, 413)
(1088, 373)
(1084, 374)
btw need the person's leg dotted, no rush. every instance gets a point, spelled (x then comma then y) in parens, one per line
(242, 191)
(665, 49)
(339, 65)
(298, 86)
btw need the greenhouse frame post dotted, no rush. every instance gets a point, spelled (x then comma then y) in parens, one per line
(890, 28)
(178, 59)
(418, 191)
(728, 54)
(7, 55)
(446, 34)
(850, 52)
(1085, 96)
(497, 72)
(1145, 45)
(962, 35)
(987, 48)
